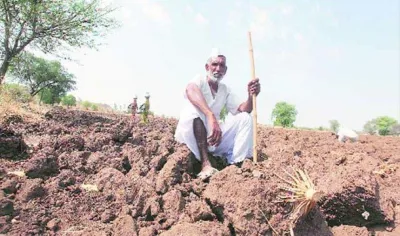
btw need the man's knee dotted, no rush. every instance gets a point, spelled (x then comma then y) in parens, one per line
(198, 124)
(245, 118)
(197, 120)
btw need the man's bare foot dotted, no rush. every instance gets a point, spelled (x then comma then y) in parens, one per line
(207, 172)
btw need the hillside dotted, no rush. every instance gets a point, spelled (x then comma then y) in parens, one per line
(73, 172)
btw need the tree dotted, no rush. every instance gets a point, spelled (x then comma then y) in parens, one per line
(53, 94)
(381, 125)
(334, 124)
(50, 96)
(50, 25)
(385, 124)
(370, 127)
(39, 74)
(284, 114)
(68, 100)
(395, 130)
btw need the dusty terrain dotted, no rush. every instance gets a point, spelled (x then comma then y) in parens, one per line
(80, 173)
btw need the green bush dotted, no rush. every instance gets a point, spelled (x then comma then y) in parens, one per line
(334, 125)
(86, 104)
(381, 125)
(94, 107)
(68, 100)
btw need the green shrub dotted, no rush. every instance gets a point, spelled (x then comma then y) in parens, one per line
(68, 100)
(86, 104)
(94, 107)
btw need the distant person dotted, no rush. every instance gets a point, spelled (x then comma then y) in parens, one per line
(133, 106)
(198, 125)
(345, 134)
(145, 108)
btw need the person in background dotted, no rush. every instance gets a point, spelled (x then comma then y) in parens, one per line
(145, 108)
(345, 134)
(133, 106)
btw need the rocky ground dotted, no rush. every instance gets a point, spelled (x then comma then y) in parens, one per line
(80, 173)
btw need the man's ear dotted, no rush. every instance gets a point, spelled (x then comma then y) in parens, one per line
(206, 66)
(226, 69)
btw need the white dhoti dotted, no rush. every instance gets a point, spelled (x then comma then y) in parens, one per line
(236, 141)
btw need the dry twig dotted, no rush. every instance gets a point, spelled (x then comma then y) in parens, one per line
(266, 219)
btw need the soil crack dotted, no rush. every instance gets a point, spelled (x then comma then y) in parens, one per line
(217, 210)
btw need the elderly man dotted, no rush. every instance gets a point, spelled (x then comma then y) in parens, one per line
(198, 125)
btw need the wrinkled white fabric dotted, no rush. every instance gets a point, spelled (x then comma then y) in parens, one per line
(215, 52)
(345, 133)
(236, 143)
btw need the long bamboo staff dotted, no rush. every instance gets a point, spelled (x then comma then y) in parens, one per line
(253, 75)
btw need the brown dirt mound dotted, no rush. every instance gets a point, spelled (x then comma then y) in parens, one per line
(91, 174)
(12, 144)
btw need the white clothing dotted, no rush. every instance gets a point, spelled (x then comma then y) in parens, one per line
(224, 96)
(215, 52)
(236, 143)
(345, 133)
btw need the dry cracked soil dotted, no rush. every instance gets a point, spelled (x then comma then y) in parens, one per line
(81, 173)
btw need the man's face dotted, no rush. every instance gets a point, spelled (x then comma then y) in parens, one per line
(216, 68)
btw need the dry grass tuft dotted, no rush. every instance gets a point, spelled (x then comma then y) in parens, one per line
(10, 109)
(19, 173)
(299, 190)
(90, 187)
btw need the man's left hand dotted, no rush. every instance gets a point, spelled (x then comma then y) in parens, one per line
(253, 87)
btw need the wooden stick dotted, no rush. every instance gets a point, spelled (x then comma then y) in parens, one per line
(253, 76)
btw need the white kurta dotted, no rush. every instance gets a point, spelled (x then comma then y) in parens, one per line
(345, 133)
(236, 143)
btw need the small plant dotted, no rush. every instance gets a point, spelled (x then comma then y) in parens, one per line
(223, 113)
(301, 191)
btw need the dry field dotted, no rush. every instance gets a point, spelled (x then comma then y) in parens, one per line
(71, 172)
